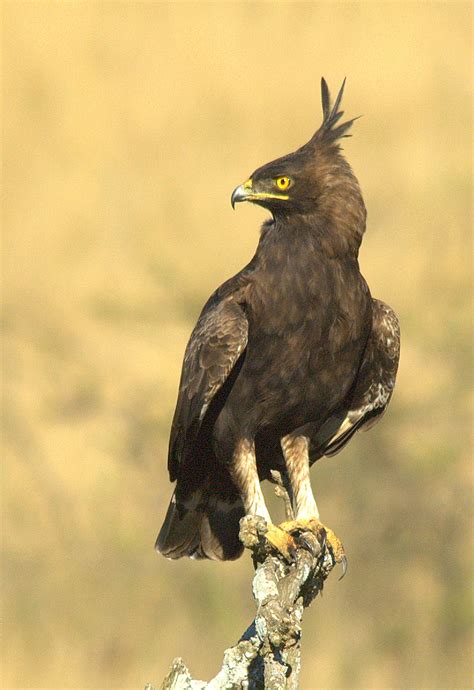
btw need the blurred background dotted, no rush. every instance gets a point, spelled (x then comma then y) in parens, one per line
(126, 127)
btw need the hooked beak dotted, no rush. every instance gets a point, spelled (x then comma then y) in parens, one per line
(241, 193)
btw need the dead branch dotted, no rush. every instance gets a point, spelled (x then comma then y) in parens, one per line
(268, 655)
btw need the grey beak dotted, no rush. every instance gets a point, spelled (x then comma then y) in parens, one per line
(239, 194)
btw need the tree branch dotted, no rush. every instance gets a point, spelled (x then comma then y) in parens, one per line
(268, 655)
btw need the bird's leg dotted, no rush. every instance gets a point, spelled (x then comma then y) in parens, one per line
(245, 476)
(295, 450)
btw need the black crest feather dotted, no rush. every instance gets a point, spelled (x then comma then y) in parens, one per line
(328, 132)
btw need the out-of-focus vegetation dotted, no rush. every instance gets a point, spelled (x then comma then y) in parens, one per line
(126, 126)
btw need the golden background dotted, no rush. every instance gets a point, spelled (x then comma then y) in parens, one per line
(126, 127)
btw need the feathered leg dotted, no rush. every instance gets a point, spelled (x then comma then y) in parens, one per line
(245, 477)
(295, 451)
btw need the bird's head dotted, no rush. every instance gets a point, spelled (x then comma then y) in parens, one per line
(296, 183)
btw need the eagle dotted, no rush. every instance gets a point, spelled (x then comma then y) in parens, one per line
(288, 358)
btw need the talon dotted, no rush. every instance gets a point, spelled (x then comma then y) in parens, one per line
(291, 534)
(328, 541)
(303, 534)
(344, 566)
(308, 544)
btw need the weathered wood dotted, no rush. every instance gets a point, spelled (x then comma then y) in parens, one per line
(268, 655)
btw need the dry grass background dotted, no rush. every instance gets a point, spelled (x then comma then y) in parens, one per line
(125, 128)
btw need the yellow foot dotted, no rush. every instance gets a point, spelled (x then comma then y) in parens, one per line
(288, 535)
(281, 540)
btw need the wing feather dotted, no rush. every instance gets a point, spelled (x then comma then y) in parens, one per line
(215, 346)
(375, 381)
(370, 393)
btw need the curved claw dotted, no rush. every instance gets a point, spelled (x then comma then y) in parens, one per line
(308, 540)
(307, 544)
(344, 567)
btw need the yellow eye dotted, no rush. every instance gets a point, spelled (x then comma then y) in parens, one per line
(282, 183)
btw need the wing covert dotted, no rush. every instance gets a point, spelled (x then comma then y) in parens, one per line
(375, 380)
(216, 343)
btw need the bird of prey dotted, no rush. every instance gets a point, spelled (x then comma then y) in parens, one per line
(288, 359)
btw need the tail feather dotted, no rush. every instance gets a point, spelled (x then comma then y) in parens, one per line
(204, 526)
(178, 535)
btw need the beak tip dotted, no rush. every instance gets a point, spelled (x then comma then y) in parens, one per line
(239, 194)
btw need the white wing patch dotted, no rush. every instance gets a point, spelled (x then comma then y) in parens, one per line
(370, 404)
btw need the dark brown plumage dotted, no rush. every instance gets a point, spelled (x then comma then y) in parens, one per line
(288, 358)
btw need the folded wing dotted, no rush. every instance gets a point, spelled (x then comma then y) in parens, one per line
(217, 341)
(372, 389)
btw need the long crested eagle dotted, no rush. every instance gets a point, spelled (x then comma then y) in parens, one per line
(288, 359)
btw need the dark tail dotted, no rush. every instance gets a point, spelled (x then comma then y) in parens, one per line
(204, 525)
